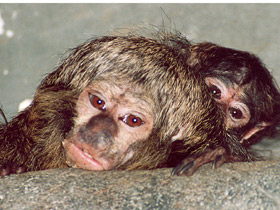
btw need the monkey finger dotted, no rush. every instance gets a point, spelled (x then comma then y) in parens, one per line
(7, 170)
(19, 170)
(189, 165)
(219, 161)
(182, 167)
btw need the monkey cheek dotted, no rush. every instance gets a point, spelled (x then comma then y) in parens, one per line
(79, 158)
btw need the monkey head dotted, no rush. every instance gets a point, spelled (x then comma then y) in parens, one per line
(127, 103)
(242, 86)
(111, 116)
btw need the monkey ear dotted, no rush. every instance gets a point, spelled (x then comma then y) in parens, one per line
(259, 127)
(178, 135)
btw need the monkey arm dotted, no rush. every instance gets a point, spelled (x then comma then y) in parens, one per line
(230, 151)
(14, 147)
(24, 144)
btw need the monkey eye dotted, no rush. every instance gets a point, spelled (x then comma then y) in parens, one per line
(235, 113)
(131, 120)
(215, 91)
(238, 114)
(97, 102)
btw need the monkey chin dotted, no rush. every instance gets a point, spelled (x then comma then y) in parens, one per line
(81, 155)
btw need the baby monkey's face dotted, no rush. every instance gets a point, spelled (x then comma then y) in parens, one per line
(232, 100)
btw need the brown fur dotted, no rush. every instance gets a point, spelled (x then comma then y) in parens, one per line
(253, 79)
(33, 139)
(250, 75)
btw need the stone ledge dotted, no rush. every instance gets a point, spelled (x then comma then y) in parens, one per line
(253, 185)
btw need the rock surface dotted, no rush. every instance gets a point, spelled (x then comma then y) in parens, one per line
(233, 186)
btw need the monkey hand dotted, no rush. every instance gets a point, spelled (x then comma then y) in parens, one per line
(189, 165)
(7, 170)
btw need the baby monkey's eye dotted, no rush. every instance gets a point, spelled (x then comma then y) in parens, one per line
(215, 91)
(132, 120)
(97, 102)
(235, 113)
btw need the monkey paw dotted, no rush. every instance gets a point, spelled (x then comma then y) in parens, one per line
(189, 165)
(7, 170)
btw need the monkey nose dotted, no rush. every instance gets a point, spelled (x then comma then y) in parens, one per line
(98, 140)
(101, 123)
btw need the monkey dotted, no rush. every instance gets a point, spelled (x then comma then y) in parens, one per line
(242, 87)
(116, 103)
(254, 112)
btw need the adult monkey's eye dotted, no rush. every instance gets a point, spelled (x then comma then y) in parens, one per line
(97, 102)
(215, 91)
(132, 120)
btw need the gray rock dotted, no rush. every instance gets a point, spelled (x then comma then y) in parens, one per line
(253, 185)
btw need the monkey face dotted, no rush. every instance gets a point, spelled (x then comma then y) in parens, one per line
(237, 113)
(110, 118)
(243, 88)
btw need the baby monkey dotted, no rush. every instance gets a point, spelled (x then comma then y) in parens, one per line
(242, 87)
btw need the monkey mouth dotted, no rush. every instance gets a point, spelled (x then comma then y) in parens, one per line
(81, 155)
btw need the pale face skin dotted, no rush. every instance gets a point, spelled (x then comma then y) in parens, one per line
(230, 98)
(236, 112)
(129, 118)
